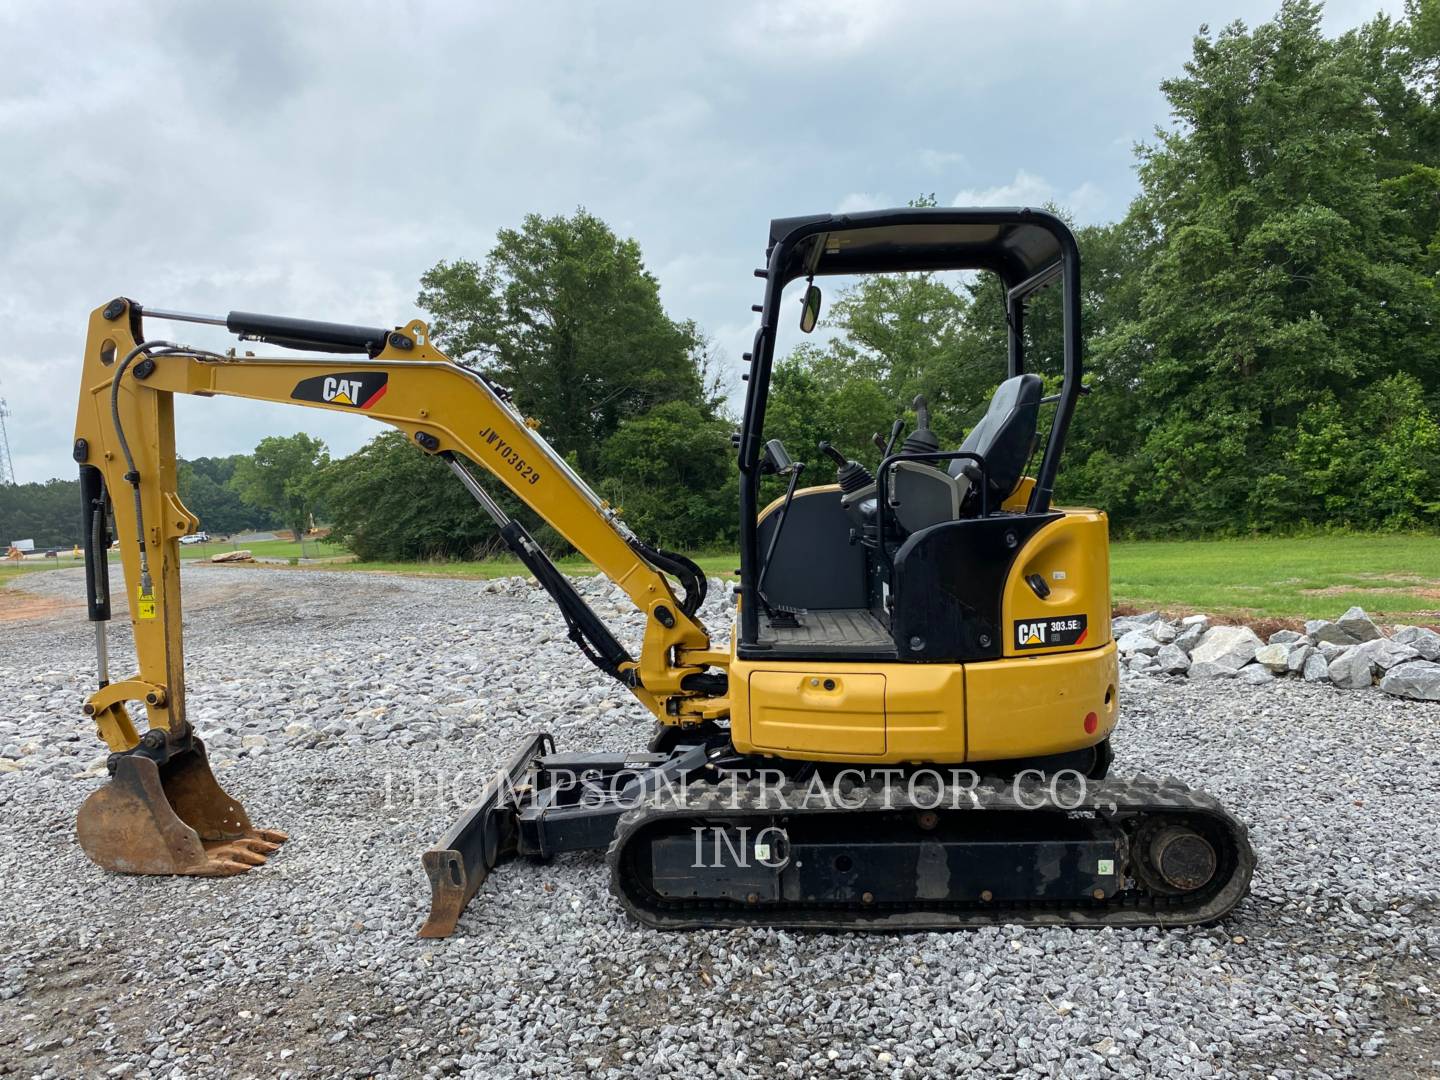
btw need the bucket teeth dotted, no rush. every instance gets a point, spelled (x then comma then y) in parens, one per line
(171, 818)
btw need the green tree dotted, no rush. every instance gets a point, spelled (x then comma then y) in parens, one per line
(204, 487)
(671, 471)
(280, 478)
(564, 313)
(1284, 270)
(389, 502)
(47, 513)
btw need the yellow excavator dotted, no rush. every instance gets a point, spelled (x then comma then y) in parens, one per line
(909, 729)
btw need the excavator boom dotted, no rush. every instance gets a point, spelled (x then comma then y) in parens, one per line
(163, 811)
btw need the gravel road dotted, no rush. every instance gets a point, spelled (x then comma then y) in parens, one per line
(343, 707)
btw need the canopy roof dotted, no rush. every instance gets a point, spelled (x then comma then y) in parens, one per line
(1014, 242)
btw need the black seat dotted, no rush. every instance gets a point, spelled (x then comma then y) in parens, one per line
(1004, 437)
(921, 495)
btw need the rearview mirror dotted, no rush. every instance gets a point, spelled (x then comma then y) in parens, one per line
(810, 311)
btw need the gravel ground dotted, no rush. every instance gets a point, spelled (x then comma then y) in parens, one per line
(342, 708)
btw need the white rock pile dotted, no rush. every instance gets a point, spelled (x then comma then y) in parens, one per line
(1350, 653)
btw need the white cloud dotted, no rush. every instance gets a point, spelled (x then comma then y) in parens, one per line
(1085, 201)
(940, 160)
(858, 201)
(1026, 189)
(828, 28)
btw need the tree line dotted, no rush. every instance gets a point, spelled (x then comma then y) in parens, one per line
(237, 493)
(1261, 336)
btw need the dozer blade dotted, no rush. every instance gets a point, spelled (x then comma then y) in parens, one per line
(483, 837)
(171, 817)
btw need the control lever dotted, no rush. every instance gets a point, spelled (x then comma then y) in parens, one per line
(887, 446)
(850, 475)
(922, 440)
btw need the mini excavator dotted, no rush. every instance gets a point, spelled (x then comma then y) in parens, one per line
(909, 730)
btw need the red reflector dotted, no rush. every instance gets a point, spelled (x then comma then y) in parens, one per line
(1091, 723)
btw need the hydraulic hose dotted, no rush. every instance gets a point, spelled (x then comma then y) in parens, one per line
(696, 585)
(132, 475)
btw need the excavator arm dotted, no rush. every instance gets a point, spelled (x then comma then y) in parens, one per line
(125, 447)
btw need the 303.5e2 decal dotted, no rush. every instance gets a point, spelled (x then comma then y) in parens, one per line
(357, 389)
(1050, 633)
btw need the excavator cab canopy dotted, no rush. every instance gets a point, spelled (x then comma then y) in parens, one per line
(1027, 249)
(1015, 244)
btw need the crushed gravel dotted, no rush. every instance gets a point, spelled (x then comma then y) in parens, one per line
(358, 711)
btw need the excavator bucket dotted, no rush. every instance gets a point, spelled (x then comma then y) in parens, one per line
(171, 817)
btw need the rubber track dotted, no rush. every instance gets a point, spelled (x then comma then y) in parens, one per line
(1115, 799)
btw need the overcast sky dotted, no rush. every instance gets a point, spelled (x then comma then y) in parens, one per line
(313, 159)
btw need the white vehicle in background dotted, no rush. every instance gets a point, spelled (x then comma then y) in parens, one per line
(196, 538)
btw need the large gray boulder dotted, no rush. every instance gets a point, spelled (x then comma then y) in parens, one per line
(1163, 632)
(1352, 669)
(1358, 625)
(1422, 639)
(1275, 657)
(1330, 650)
(1223, 651)
(1386, 653)
(1324, 632)
(1144, 664)
(1172, 660)
(1317, 668)
(1192, 629)
(1255, 675)
(1285, 637)
(1300, 653)
(1418, 681)
(1137, 641)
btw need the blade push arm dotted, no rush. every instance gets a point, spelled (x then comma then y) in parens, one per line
(403, 381)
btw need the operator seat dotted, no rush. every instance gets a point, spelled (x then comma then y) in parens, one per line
(1004, 437)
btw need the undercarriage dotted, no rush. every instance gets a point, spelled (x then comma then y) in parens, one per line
(699, 836)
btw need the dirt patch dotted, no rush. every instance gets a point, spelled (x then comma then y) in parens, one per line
(17, 605)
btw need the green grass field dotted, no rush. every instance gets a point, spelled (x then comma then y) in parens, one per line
(1391, 576)
(1310, 577)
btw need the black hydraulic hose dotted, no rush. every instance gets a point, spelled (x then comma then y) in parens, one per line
(166, 348)
(100, 596)
(131, 475)
(695, 583)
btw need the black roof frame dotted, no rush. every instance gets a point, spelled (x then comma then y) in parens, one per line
(1028, 249)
